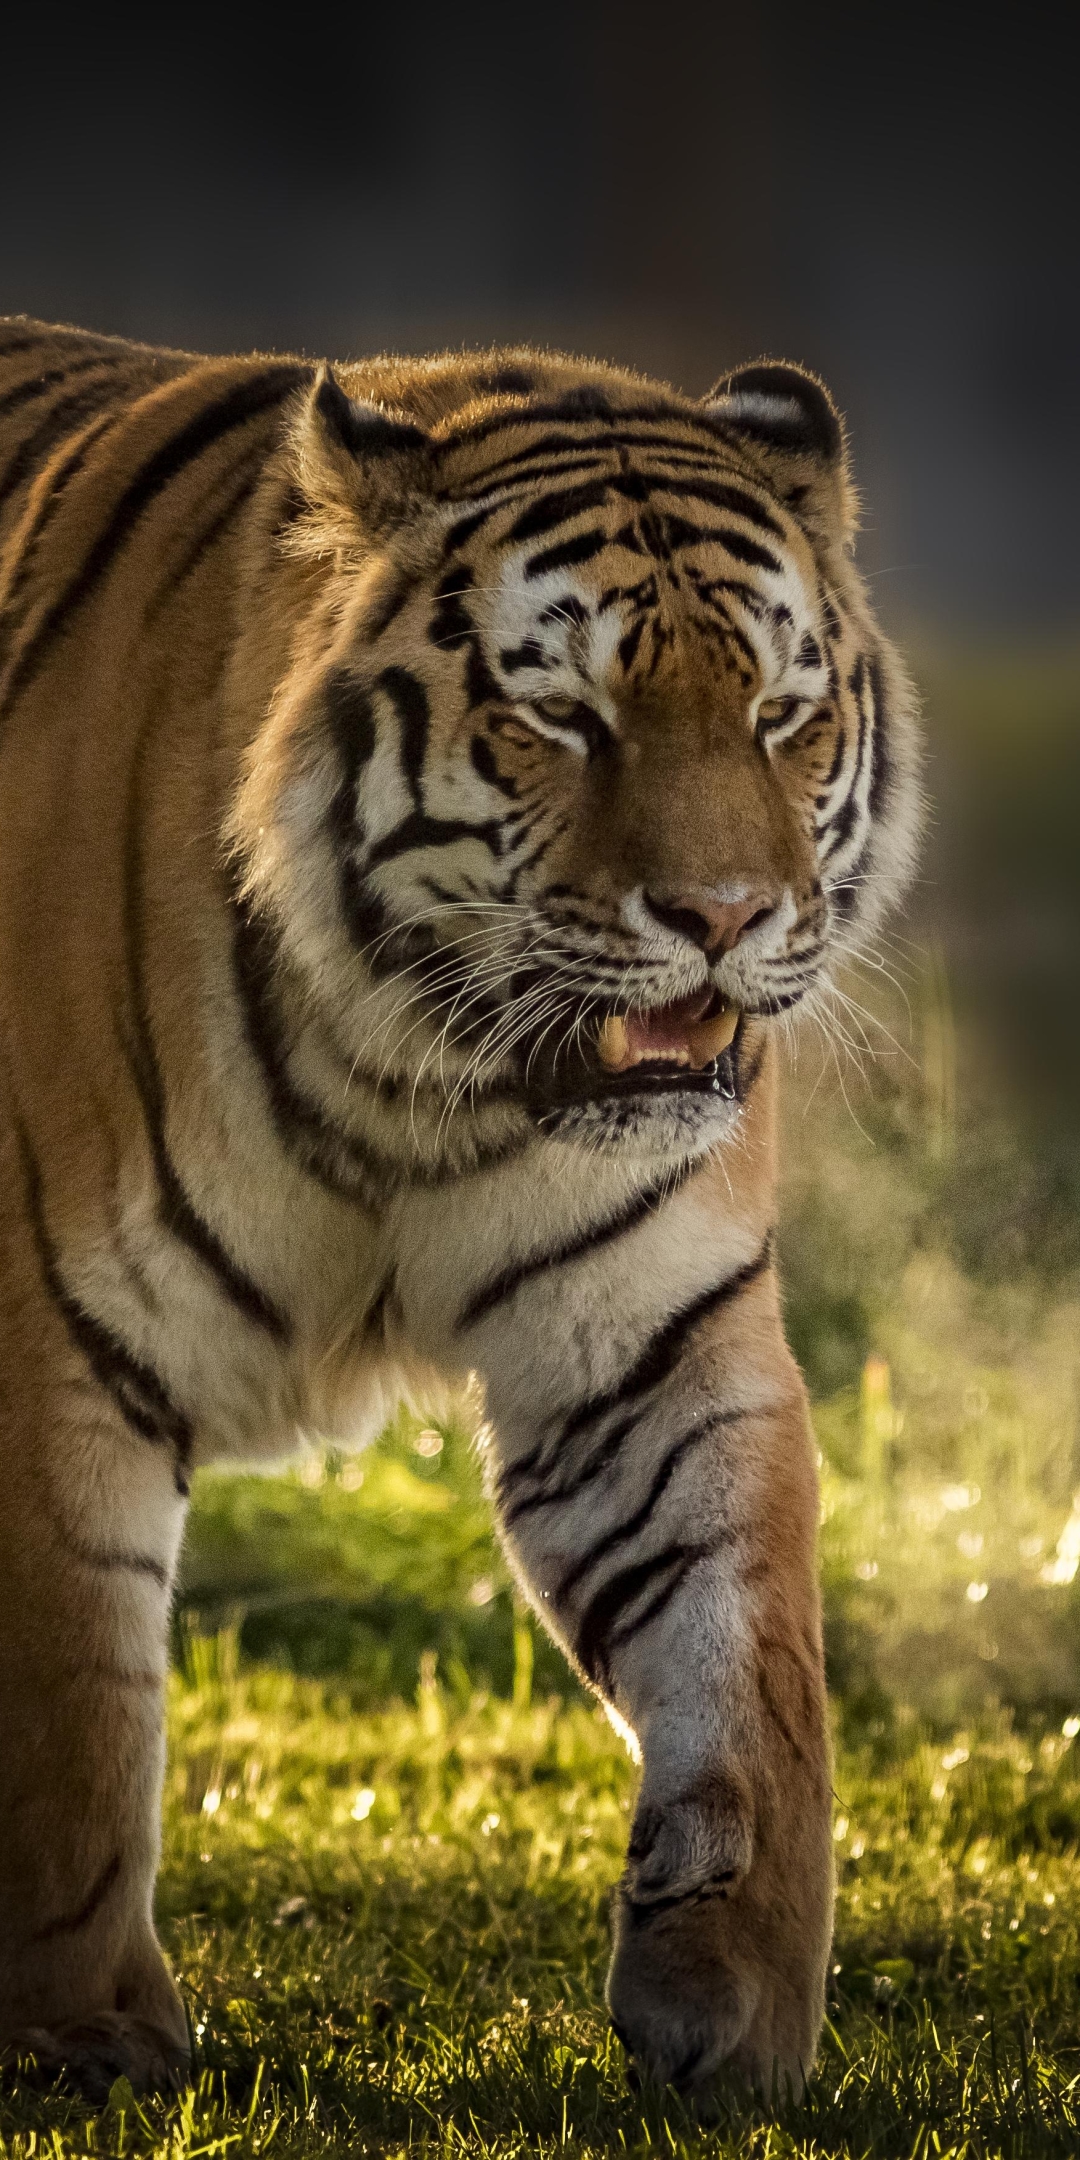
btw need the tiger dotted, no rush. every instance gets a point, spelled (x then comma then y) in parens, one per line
(429, 789)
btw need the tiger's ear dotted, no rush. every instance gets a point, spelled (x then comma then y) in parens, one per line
(358, 465)
(790, 419)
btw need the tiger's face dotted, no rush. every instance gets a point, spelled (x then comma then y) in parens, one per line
(600, 761)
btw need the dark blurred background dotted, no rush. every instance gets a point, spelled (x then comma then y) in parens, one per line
(888, 195)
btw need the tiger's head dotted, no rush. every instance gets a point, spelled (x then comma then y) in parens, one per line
(589, 760)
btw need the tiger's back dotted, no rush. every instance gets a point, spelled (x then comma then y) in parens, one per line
(119, 577)
(421, 792)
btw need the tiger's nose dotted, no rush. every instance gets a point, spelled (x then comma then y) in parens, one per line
(714, 925)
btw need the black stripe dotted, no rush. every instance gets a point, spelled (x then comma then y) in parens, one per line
(840, 827)
(644, 594)
(880, 760)
(484, 762)
(256, 394)
(465, 527)
(595, 1464)
(351, 1168)
(23, 344)
(681, 532)
(556, 458)
(176, 1212)
(201, 544)
(797, 955)
(768, 1007)
(580, 549)
(544, 459)
(624, 1531)
(420, 831)
(747, 551)
(721, 621)
(839, 754)
(350, 715)
(451, 626)
(841, 824)
(663, 1597)
(413, 708)
(567, 608)
(843, 821)
(738, 588)
(598, 1638)
(625, 419)
(319, 1146)
(638, 1210)
(722, 497)
(530, 472)
(655, 1363)
(69, 1923)
(642, 1910)
(664, 1349)
(47, 336)
(351, 721)
(60, 420)
(31, 531)
(121, 1562)
(557, 509)
(139, 1394)
(34, 387)
(521, 422)
(845, 895)
(526, 655)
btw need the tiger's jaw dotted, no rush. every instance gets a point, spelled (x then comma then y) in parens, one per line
(689, 1034)
(664, 1076)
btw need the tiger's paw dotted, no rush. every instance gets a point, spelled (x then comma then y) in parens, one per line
(686, 2004)
(93, 2052)
(719, 1949)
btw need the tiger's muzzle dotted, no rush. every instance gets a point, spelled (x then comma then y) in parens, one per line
(686, 1046)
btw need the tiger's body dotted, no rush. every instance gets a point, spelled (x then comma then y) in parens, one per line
(368, 747)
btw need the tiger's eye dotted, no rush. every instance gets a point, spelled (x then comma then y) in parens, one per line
(774, 710)
(557, 708)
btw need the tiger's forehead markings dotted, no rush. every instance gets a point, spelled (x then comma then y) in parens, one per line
(653, 464)
(681, 473)
(698, 446)
(675, 487)
(586, 406)
(649, 531)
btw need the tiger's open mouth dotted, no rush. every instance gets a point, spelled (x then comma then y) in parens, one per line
(683, 1048)
(691, 1033)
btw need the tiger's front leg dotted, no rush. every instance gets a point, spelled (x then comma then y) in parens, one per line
(665, 1526)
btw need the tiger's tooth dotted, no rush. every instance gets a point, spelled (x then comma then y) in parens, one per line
(613, 1043)
(709, 1037)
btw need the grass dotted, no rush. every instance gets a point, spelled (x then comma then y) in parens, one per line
(390, 1927)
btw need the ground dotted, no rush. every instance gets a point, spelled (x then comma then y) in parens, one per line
(390, 1927)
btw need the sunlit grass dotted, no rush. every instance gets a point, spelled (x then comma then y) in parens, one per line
(391, 1930)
